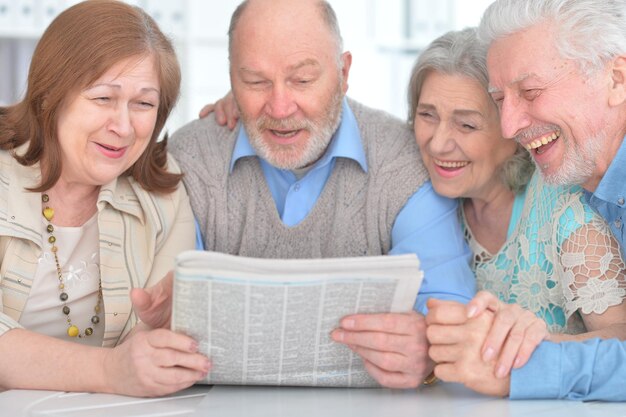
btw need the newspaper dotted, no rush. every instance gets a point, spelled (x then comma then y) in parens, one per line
(268, 321)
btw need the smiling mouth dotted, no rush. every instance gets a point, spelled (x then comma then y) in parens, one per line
(539, 145)
(285, 133)
(450, 165)
(110, 148)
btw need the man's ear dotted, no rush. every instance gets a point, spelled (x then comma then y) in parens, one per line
(346, 61)
(617, 91)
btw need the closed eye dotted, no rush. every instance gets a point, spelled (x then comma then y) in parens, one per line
(146, 104)
(498, 99)
(531, 93)
(255, 83)
(425, 115)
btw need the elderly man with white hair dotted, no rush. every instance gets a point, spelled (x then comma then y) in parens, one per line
(309, 173)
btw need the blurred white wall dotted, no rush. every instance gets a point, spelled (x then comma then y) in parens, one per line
(384, 37)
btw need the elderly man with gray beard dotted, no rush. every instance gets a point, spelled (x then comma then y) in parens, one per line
(309, 173)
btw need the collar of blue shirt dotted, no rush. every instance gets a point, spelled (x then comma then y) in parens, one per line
(612, 187)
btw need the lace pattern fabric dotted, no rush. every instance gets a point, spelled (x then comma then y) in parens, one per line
(560, 260)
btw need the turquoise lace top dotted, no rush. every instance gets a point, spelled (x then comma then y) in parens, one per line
(559, 259)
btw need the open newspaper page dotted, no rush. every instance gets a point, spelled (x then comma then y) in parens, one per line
(268, 321)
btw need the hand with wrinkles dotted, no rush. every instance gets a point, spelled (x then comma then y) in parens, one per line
(153, 363)
(393, 346)
(153, 305)
(514, 335)
(456, 347)
(154, 360)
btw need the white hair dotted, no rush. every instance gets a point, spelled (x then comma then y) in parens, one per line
(590, 32)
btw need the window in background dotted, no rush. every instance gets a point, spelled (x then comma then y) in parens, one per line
(387, 47)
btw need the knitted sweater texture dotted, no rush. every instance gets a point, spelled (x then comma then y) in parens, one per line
(353, 216)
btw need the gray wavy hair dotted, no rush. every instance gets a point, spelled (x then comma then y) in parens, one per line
(590, 32)
(460, 53)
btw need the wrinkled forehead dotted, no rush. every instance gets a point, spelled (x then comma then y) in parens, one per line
(291, 26)
(268, 54)
(521, 55)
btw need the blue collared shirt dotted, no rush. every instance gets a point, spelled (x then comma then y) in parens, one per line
(427, 225)
(609, 199)
(591, 370)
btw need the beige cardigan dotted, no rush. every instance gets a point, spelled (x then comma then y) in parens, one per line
(140, 234)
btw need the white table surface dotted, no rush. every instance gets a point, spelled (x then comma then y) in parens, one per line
(232, 401)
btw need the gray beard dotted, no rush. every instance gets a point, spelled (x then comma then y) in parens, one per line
(320, 135)
(578, 163)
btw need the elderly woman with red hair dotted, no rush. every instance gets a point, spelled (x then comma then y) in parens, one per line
(92, 209)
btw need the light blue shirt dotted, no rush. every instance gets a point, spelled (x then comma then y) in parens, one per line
(609, 199)
(591, 370)
(427, 225)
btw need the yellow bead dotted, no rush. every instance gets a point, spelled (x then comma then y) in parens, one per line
(72, 331)
(48, 213)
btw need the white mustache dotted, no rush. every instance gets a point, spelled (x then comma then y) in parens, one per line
(267, 123)
(534, 132)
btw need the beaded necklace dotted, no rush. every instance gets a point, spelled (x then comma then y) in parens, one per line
(72, 329)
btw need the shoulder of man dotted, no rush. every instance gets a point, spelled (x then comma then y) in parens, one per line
(366, 115)
(202, 137)
(387, 136)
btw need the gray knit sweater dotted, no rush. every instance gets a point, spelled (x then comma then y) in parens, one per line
(353, 216)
